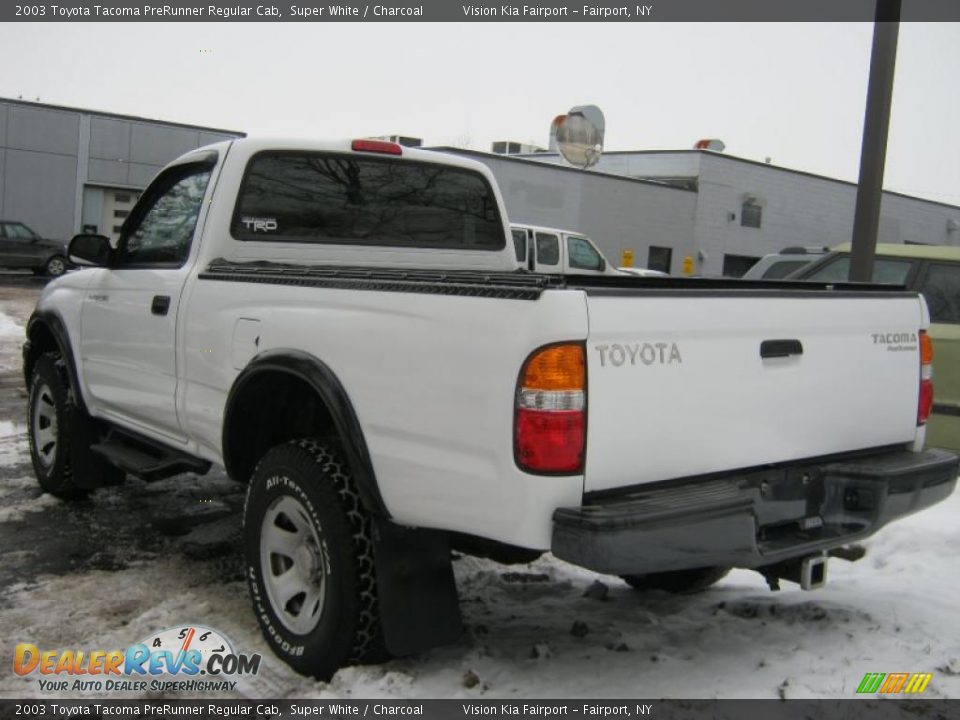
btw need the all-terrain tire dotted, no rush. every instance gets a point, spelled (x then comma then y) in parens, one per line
(678, 581)
(60, 435)
(303, 516)
(50, 413)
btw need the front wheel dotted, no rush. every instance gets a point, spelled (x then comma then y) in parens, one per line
(50, 414)
(56, 266)
(309, 558)
(678, 581)
(61, 434)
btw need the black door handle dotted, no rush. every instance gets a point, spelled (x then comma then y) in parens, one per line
(780, 348)
(160, 304)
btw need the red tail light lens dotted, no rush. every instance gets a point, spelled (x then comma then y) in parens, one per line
(925, 403)
(550, 422)
(550, 441)
(376, 146)
(925, 406)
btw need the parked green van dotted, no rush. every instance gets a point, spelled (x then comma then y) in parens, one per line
(933, 270)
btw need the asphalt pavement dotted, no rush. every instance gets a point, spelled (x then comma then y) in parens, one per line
(130, 523)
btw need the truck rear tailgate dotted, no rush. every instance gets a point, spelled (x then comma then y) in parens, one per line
(684, 383)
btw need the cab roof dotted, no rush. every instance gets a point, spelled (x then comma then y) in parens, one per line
(540, 228)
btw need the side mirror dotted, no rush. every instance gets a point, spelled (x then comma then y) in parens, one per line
(90, 250)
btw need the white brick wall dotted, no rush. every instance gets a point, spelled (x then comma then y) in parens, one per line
(800, 209)
(617, 213)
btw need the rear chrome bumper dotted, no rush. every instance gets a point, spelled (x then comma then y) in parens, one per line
(751, 519)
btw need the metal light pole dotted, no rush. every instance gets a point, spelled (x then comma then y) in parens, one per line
(873, 152)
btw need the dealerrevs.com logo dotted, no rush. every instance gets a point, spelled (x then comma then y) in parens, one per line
(191, 658)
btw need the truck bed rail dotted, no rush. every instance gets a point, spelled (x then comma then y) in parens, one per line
(521, 285)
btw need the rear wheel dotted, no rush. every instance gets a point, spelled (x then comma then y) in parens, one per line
(309, 557)
(56, 266)
(678, 581)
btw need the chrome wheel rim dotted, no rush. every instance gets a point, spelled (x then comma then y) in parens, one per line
(55, 267)
(294, 563)
(45, 426)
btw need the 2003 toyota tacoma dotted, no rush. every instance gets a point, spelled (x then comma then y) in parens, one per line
(346, 328)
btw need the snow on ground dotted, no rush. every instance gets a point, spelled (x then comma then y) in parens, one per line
(11, 338)
(893, 611)
(10, 328)
(13, 443)
(17, 509)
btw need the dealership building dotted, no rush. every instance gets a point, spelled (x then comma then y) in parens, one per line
(63, 170)
(721, 211)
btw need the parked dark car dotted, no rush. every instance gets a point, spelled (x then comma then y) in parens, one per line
(21, 247)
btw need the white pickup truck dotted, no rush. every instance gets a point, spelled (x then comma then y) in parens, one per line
(345, 327)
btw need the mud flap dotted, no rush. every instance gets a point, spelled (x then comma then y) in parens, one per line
(89, 469)
(419, 608)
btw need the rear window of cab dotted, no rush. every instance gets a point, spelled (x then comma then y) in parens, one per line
(344, 199)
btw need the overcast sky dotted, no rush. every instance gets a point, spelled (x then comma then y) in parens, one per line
(791, 92)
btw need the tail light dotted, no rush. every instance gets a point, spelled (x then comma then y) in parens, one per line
(376, 146)
(925, 403)
(550, 420)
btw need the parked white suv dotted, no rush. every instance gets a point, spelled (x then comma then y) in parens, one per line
(784, 263)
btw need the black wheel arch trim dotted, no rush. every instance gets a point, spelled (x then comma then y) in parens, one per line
(328, 387)
(54, 323)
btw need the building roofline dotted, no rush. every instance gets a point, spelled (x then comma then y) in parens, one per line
(118, 116)
(781, 168)
(525, 159)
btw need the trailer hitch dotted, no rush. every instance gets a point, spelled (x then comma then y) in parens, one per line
(809, 572)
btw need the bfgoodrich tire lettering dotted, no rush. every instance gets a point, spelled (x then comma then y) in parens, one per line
(324, 615)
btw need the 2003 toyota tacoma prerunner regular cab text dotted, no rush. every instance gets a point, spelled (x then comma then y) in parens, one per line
(345, 327)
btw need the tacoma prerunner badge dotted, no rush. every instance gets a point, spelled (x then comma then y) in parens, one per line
(347, 330)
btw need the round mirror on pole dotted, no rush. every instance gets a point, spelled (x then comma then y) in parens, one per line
(579, 135)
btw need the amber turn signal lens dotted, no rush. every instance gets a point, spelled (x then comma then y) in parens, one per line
(560, 367)
(926, 348)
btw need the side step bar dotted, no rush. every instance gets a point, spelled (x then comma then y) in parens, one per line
(146, 459)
